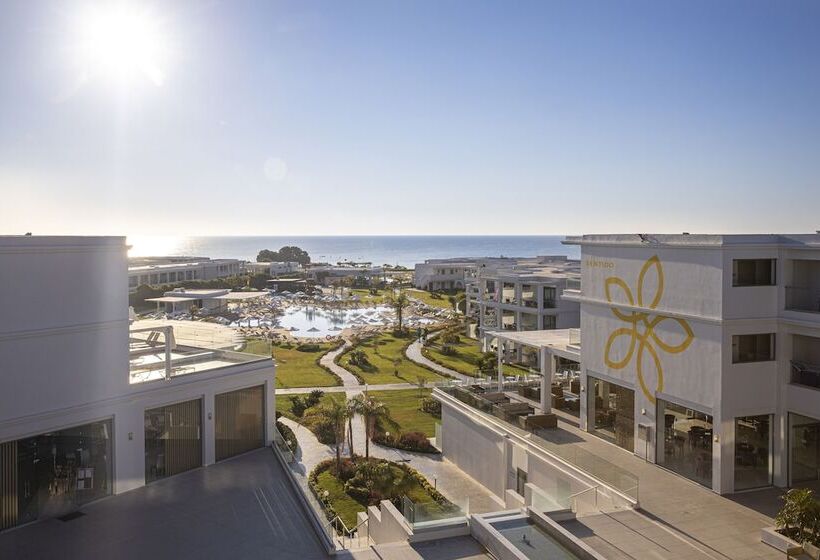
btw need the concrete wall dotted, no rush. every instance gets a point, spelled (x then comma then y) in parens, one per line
(476, 449)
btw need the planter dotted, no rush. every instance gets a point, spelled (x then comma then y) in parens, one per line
(771, 537)
(812, 551)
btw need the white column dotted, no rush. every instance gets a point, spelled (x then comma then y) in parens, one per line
(500, 354)
(546, 381)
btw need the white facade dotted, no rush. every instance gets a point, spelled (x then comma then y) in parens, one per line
(273, 268)
(163, 271)
(443, 274)
(522, 294)
(64, 350)
(707, 325)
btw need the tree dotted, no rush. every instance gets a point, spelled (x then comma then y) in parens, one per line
(335, 413)
(398, 301)
(288, 253)
(800, 512)
(373, 412)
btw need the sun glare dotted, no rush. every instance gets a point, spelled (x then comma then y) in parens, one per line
(120, 42)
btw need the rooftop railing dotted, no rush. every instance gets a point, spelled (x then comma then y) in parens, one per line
(593, 465)
(805, 373)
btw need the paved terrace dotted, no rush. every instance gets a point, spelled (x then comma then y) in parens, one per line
(241, 508)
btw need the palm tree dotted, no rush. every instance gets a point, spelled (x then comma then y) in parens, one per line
(398, 301)
(335, 413)
(353, 407)
(373, 412)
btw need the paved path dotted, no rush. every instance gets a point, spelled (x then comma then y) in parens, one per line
(348, 389)
(414, 354)
(242, 508)
(348, 379)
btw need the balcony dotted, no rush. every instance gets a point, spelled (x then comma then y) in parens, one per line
(803, 299)
(164, 352)
(532, 303)
(806, 374)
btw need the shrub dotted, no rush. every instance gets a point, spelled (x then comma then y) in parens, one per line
(448, 350)
(298, 405)
(799, 518)
(450, 338)
(415, 441)
(431, 406)
(288, 435)
(314, 397)
(311, 347)
(358, 493)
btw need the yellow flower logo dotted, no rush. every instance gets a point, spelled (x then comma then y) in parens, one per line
(641, 329)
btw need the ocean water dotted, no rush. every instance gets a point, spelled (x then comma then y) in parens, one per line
(394, 250)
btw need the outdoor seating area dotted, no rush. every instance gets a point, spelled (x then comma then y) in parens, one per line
(500, 405)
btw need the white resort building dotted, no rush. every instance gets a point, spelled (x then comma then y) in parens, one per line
(91, 405)
(699, 353)
(163, 271)
(443, 274)
(522, 294)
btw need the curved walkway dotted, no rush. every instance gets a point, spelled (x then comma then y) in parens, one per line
(414, 354)
(327, 360)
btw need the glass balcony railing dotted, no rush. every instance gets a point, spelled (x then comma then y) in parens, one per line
(605, 471)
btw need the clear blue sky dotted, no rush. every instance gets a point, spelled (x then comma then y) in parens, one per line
(439, 117)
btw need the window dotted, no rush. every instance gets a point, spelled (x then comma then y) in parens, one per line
(132, 281)
(753, 452)
(752, 348)
(753, 272)
(684, 444)
(520, 481)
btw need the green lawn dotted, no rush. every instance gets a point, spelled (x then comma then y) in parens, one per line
(430, 299)
(385, 353)
(283, 402)
(404, 406)
(366, 297)
(468, 351)
(295, 368)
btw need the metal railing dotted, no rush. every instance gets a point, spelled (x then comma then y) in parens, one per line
(802, 299)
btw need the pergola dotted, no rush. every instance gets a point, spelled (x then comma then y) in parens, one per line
(550, 344)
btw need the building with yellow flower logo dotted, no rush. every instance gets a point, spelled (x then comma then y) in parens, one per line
(699, 353)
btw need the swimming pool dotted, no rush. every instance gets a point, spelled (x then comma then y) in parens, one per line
(531, 540)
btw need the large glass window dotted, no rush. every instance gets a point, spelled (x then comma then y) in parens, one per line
(685, 442)
(57, 472)
(611, 412)
(804, 449)
(753, 272)
(173, 439)
(753, 452)
(752, 348)
(239, 421)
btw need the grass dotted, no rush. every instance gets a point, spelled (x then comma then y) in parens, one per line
(430, 299)
(283, 403)
(295, 368)
(385, 353)
(405, 405)
(366, 297)
(465, 359)
(345, 506)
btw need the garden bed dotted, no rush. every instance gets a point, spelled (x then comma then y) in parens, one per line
(365, 482)
(381, 359)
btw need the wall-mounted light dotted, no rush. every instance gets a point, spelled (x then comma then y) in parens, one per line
(717, 438)
(130, 436)
(210, 415)
(583, 388)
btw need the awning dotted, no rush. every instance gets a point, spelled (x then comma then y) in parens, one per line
(171, 299)
(560, 342)
(240, 296)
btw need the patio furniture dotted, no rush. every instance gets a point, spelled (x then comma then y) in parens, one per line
(538, 421)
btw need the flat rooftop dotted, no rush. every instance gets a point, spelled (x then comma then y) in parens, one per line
(811, 240)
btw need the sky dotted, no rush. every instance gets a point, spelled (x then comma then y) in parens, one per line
(416, 117)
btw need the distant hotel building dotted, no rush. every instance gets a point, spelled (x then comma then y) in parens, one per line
(443, 274)
(522, 294)
(91, 406)
(273, 268)
(163, 271)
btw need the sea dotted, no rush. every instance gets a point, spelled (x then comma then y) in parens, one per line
(400, 250)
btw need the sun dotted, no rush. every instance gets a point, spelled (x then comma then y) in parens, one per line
(120, 42)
